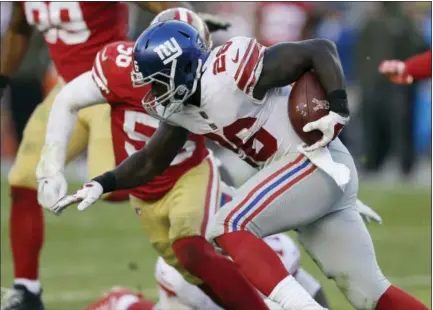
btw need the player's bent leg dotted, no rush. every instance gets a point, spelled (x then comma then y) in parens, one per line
(153, 217)
(189, 214)
(26, 219)
(155, 223)
(354, 269)
(100, 152)
(278, 198)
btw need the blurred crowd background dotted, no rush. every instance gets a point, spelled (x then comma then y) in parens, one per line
(390, 131)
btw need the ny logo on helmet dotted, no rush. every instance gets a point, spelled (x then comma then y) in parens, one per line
(168, 51)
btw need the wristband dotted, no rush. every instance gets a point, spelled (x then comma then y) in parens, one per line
(338, 102)
(4, 81)
(107, 181)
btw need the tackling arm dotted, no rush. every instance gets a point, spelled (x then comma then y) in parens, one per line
(149, 162)
(15, 44)
(77, 94)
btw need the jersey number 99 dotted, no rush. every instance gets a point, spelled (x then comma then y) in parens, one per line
(58, 21)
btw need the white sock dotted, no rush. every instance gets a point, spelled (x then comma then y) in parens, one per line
(290, 295)
(34, 286)
(124, 302)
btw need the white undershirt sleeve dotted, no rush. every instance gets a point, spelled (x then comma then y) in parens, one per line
(79, 93)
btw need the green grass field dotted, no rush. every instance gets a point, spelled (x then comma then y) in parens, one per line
(86, 253)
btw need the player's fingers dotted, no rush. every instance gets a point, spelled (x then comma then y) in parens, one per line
(85, 204)
(313, 147)
(310, 126)
(64, 203)
(376, 217)
(386, 67)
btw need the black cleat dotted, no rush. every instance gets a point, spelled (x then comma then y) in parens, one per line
(20, 298)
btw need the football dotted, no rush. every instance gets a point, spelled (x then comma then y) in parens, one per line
(307, 103)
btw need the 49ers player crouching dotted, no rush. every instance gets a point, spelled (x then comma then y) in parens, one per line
(74, 32)
(175, 207)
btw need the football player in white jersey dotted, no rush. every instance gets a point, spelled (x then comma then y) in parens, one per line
(237, 95)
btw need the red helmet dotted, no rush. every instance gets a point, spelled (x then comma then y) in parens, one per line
(187, 16)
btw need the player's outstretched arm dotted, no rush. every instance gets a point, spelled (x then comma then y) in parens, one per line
(417, 67)
(284, 63)
(139, 168)
(14, 45)
(77, 94)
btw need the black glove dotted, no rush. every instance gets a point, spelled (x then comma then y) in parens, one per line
(4, 82)
(213, 22)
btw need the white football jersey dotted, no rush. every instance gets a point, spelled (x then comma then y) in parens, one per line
(259, 131)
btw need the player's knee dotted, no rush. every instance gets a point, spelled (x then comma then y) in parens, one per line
(214, 229)
(362, 291)
(193, 252)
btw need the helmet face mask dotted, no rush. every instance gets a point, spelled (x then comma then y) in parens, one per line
(164, 92)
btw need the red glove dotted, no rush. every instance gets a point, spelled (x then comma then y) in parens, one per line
(121, 299)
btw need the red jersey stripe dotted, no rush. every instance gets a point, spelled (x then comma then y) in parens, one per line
(244, 58)
(249, 67)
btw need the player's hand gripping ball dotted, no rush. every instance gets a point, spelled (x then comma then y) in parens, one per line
(307, 103)
(310, 115)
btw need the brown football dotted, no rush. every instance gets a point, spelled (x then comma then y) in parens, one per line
(307, 103)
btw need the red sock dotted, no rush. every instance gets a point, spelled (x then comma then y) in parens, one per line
(256, 260)
(220, 274)
(26, 232)
(117, 196)
(395, 299)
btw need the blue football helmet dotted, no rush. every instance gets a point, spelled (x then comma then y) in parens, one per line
(168, 56)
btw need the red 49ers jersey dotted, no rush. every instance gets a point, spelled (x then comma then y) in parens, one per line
(75, 31)
(131, 126)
